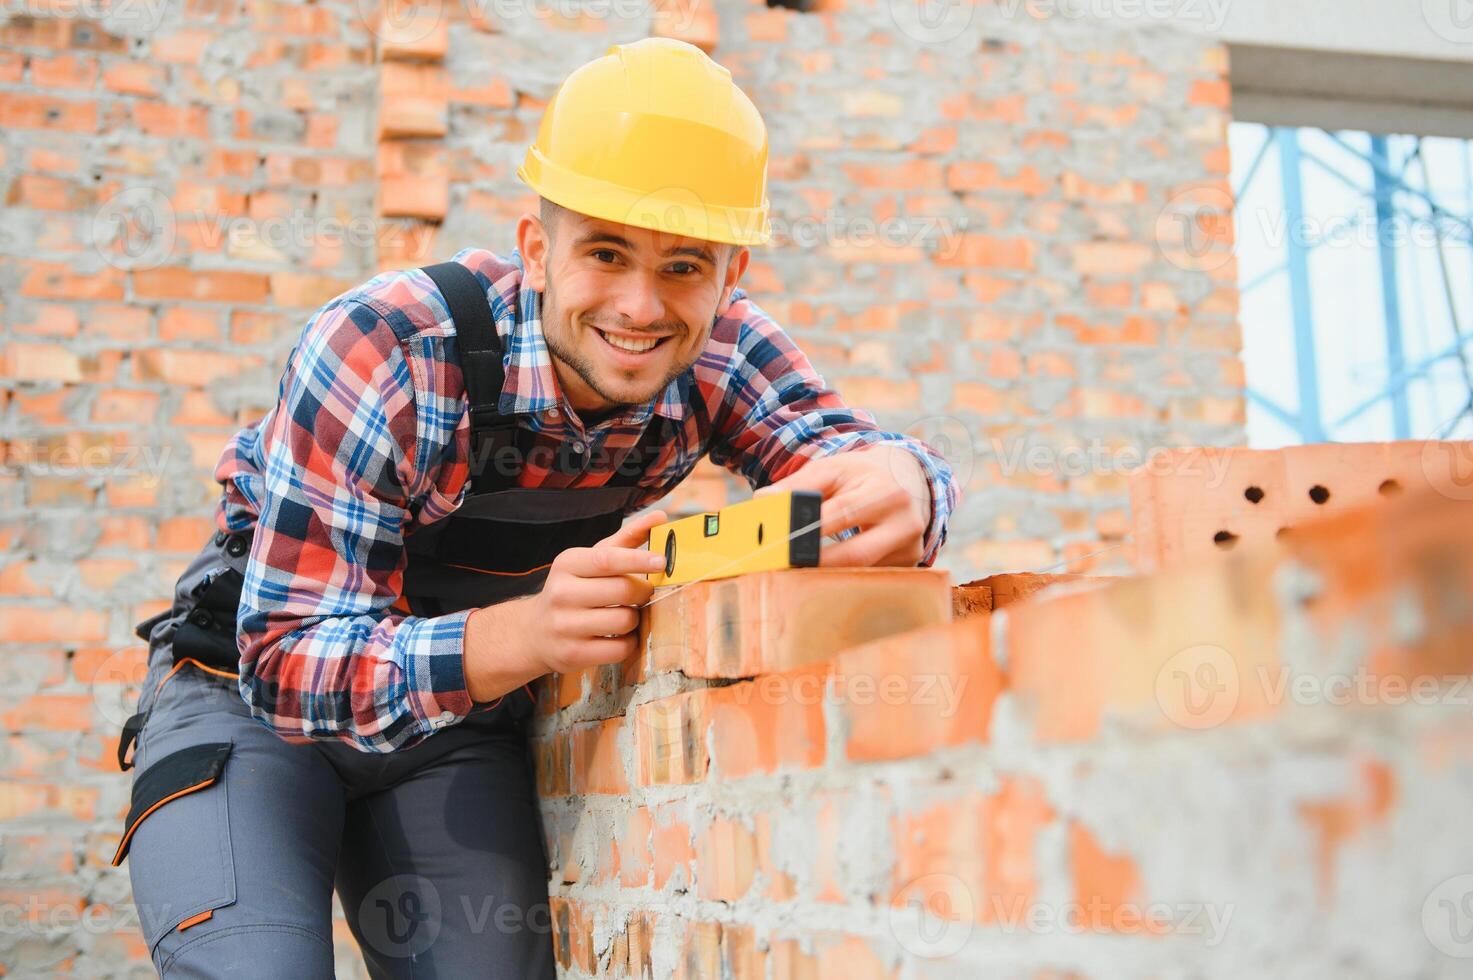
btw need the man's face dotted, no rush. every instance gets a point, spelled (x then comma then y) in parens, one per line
(625, 310)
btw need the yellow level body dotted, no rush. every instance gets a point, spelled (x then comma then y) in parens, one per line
(777, 530)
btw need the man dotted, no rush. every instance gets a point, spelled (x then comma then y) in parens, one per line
(429, 518)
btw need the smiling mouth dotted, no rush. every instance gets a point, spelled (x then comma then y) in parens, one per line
(630, 345)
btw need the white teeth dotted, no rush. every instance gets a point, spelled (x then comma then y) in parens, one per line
(633, 346)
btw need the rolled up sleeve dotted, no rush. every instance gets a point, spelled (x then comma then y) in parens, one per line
(775, 412)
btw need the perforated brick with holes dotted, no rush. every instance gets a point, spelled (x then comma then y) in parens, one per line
(1190, 503)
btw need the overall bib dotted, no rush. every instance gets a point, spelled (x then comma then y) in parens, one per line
(239, 839)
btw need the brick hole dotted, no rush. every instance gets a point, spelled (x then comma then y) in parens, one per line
(759, 534)
(1319, 494)
(1282, 532)
(1389, 488)
(802, 6)
(1255, 495)
(1226, 540)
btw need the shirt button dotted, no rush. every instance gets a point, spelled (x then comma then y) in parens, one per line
(552, 413)
(579, 447)
(445, 718)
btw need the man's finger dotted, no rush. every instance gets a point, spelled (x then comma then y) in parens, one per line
(635, 532)
(611, 590)
(608, 560)
(864, 549)
(818, 475)
(850, 509)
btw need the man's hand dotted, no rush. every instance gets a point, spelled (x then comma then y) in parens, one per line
(588, 609)
(586, 614)
(881, 489)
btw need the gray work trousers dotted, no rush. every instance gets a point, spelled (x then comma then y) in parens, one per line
(435, 851)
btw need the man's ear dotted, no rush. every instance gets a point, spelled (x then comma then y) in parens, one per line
(533, 245)
(735, 266)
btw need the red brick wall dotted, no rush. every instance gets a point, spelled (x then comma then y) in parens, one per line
(1226, 769)
(970, 219)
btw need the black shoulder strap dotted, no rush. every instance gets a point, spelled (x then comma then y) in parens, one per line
(495, 458)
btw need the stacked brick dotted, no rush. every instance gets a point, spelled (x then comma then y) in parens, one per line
(1230, 768)
(184, 185)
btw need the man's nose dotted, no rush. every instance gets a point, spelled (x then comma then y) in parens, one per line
(638, 299)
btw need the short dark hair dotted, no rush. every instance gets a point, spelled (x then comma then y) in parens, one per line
(549, 212)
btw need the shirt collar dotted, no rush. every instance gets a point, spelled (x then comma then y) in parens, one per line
(531, 382)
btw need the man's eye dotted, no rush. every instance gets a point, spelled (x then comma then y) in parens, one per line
(605, 255)
(685, 268)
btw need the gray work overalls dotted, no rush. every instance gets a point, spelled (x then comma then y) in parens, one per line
(238, 838)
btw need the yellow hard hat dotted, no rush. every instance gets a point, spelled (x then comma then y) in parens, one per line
(655, 134)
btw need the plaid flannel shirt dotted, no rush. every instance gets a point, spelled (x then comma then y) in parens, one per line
(368, 441)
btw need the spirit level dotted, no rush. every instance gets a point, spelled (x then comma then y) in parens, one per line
(777, 530)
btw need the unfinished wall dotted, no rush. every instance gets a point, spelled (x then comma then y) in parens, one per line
(969, 201)
(1255, 764)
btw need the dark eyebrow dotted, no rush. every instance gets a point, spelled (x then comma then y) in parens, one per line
(609, 238)
(698, 251)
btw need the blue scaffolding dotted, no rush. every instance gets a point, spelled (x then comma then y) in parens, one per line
(1390, 183)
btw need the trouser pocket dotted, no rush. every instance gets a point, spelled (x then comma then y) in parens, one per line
(177, 834)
